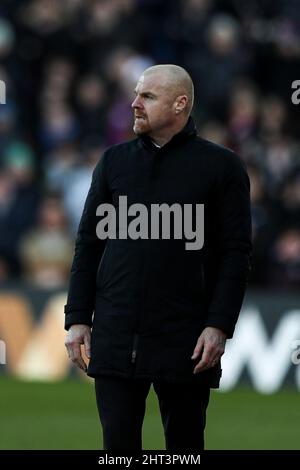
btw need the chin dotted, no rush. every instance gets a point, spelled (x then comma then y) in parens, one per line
(139, 130)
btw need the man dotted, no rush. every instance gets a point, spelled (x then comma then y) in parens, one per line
(162, 312)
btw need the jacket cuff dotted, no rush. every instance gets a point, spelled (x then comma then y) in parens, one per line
(216, 320)
(78, 317)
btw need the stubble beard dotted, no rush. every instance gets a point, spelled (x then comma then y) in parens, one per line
(140, 127)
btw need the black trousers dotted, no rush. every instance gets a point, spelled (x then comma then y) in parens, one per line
(121, 404)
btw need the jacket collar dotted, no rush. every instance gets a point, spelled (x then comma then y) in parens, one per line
(188, 131)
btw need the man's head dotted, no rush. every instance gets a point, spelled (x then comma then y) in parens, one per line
(163, 102)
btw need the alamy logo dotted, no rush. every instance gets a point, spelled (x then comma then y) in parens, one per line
(2, 92)
(161, 226)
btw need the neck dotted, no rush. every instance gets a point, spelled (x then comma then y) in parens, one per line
(165, 135)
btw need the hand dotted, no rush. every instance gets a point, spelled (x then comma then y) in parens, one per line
(77, 335)
(211, 343)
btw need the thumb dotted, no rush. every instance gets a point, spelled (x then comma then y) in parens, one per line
(87, 345)
(198, 348)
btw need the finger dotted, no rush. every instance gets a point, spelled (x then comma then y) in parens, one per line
(76, 356)
(206, 360)
(215, 361)
(69, 346)
(81, 364)
(68, 350)
(87, 345)
(201, 366)
(198, 349)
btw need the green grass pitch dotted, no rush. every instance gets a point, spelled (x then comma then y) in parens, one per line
(64, 416)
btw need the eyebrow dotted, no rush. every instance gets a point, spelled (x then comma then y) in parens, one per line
(145, 93)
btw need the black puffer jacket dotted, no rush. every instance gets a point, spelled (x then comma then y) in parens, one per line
(152, 298)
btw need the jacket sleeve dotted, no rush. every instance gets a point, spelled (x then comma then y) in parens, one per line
(233, 244)
(88, 251)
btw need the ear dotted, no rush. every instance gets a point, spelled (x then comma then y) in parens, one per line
(180, 103)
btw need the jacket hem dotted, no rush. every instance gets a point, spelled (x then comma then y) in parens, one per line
(213, 383)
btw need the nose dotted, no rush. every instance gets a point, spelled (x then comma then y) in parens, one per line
(136, 102)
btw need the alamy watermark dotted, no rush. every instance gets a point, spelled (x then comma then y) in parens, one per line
(2, 352)
(161, 225)
(296, 94)
(2, 92)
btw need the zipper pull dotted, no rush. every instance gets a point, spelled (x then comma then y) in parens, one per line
(133, 356)
(134, 348)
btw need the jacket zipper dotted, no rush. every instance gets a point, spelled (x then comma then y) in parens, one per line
(145, 256)
(202, 279)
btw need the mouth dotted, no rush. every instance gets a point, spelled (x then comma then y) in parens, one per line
(139, 118)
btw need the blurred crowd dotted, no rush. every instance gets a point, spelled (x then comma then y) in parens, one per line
(70, 68)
